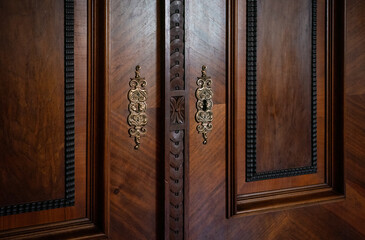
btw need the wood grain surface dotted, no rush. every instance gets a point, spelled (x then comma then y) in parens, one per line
(136, 176)
(341, 220)
(45, 82)
(206, 45)
(176, 122)
(32, 118)
(239, 91)
(134, 193)
(284, 83)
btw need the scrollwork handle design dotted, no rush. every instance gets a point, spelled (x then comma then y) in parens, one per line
(137, 107)
(204, 105)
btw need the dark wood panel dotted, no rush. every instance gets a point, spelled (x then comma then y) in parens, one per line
(239, 114)
(32, 102)
(136, 176)
(284, 83)
(295, 190)
(341, 220)
(79, 210)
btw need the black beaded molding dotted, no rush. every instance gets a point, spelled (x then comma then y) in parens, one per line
(251, 101)
(69, 199)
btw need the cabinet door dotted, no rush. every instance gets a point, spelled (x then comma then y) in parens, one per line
(82, 126)
(43, 117)
(245, 132)
(44, 166)
(179, 119)
(283, 159)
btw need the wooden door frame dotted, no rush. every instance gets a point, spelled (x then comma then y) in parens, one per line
(333, 189)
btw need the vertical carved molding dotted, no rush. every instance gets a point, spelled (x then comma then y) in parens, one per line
(177, 46)
(175, 124)
(176, 185)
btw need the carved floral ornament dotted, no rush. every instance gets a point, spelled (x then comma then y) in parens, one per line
(137, 97)
(177, 108)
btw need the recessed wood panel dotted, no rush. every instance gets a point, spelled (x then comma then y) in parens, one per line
(284, 82)
(303, 167)
(281, 100)
(58, 213)
(37, 105)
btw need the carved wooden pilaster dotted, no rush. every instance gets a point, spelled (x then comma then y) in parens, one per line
(175, 121)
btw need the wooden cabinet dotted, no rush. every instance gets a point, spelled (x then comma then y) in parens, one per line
(182, 119)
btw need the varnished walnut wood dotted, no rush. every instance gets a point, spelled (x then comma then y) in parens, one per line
(79, 210)
(32, 103)
(338, 220)
(206, 45)
(238, 98)
(135, 176)
(95, 225)
(176, 121)
(284, 83)
(136, 210)
(332, 183)
(74, 229)
(98, 161)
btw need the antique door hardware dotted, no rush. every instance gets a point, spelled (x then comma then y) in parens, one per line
(137, 107)
(204, 105)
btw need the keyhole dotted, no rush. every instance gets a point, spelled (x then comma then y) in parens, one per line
(205, 105)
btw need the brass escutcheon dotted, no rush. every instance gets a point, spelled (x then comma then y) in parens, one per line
(137, 107)
(204, 105)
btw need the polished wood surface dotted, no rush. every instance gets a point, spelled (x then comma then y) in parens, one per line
(284, 76)
(79, 210)
(239, 100)
(176, 122)
(238, 89)
(353, 210)
(136, 176)
(206, 45)
(341, 220)
(32, 126)
(326, 184)
(120, 191)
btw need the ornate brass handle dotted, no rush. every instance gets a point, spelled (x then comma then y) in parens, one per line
(137, 107)
(204, 105)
